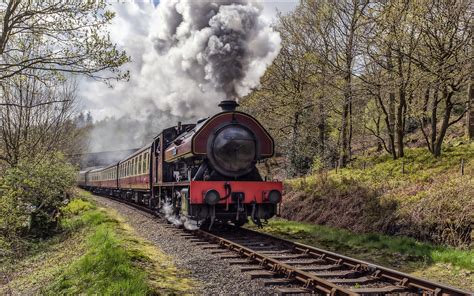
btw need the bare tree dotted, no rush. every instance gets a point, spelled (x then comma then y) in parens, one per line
(34, 118)
(60, 37)
(332, 30)
(444, 58)
(387, 73)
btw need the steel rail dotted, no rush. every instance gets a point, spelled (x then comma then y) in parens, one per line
(378, 272)
(311, 281)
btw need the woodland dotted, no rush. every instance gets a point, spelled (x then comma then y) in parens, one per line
(354, 75)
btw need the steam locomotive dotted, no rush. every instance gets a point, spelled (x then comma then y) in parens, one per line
(203, 172)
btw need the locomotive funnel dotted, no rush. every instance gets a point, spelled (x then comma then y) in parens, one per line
(228, 105)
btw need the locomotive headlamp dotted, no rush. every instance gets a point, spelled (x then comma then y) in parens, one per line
(274, 196)
(212, 197)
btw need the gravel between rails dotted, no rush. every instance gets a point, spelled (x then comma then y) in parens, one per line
(214, 275)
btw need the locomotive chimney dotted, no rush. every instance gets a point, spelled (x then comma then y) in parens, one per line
(228, 105)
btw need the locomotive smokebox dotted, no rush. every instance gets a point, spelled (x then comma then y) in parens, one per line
(228, 105)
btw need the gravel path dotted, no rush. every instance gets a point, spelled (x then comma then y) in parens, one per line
(216, 277)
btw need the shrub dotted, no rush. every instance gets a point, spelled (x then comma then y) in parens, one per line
(444, 214)
(32, 195)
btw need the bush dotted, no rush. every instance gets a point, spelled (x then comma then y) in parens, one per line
(444, 214)
(429, 201)
(31, 197)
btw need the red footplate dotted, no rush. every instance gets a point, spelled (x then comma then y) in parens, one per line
(254, 191)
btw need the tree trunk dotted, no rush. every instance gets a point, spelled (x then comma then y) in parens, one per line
(322, 129)
(470, 111)
(445, 124)
(401, 124)
(343, 156)
(294, 169)
(349, 144)
(434, 120)
(391, 108)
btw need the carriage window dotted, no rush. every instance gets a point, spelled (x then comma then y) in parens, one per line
(136, 166)
(146, 162)
(139, 164)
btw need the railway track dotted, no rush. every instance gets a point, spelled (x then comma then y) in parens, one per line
(298, 269)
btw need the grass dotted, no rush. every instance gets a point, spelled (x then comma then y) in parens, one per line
(449, 265)
(420, 166)
(430, 201)
(99, 254)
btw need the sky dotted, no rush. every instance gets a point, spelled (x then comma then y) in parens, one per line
(131, 22)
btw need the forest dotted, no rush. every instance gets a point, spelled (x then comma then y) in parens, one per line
(357, 75)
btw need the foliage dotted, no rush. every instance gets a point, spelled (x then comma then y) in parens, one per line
(353, 75)
(421, 196)
(32, 195)
(351, 243)
(95, 254)
(44, 45)
(116, 261)
(58, 37)
(76, 207)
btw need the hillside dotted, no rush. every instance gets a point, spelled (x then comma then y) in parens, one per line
(418, 196)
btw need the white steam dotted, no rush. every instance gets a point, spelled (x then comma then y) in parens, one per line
(187, 55)
(179, 221)
(171, 216)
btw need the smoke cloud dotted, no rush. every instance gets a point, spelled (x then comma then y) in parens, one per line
(187, 56)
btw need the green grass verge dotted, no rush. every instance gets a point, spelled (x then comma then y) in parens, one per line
(105, 258)
(430, 201)
(419, 166)
(402, 253)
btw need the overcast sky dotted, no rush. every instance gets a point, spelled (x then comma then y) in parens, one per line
(131, 22)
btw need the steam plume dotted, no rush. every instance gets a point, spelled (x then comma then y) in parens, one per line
(218, 43)
(187, 55)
